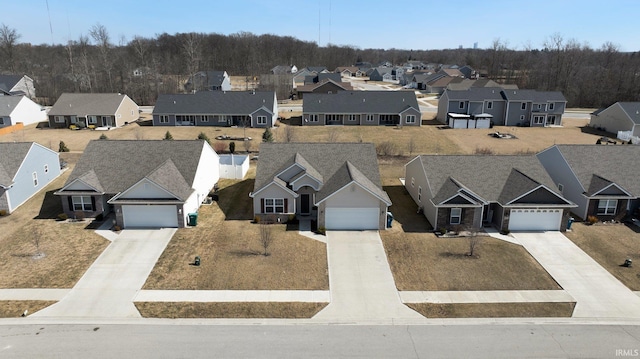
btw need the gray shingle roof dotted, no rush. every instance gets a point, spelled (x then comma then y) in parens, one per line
(359, 102)
(329, 160)
(8, 104)
(534, 96)
(633, 110)
(82, 104)
(494, 178)
(617, 164)
(7, 82)
(476, 94)
(215, 102)
(113, 166)
(12, 155)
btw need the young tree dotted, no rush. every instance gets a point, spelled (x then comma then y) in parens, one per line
(267, 136)
(62, 147)
(247, 145)
(266, 234)
(232, 147)
(289, 134)
(168, 136)
(473, 239)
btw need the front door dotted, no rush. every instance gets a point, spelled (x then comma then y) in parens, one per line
(305, 202)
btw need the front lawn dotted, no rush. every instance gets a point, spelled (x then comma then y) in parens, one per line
(494, 310)
(229, 310)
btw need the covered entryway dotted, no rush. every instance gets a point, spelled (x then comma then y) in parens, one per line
(352, 218)
(535, 219)
(150, 216)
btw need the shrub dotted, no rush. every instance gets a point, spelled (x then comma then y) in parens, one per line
(256, 219)
(103, 137)
(386, 148)
(62, 147)
(168, 136)
(3, 212)
(291, 218)
(232, 147)
(203, 136)
(322, 230)
(505, 231)
(79, 215)
(63, 217)
(267, 136)
(117, 228)
(219, 147)
(592, 219)
(483, 151)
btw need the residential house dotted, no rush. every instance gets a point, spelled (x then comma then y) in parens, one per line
(335, 184)
(512, 193)
(284, 69)
(476, 103)
(601, 179)
(348, 71)
(93, 109)
(414, 65)
(507, 107)
(25, 169)
(468, 72)
(20, 85)
(328, 86)
(217, 108)
(361, 108)
(621, 116)
(208, 81)
(149, 184)
(459, 83)
(381, 74)
(14, 109)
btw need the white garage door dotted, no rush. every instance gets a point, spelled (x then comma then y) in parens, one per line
(535, 220)
(150, 216)
(351, 218)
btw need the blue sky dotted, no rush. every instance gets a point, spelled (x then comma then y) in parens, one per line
(363, 24)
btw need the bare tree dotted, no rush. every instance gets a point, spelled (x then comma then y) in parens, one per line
(191, 45)
(266, 234)
(289, 134)
(411, 145)
(473, 239)
(37, 233)
(332, 135)
(8, 40)
(101, 37)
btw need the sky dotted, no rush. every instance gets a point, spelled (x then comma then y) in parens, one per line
(416, 25)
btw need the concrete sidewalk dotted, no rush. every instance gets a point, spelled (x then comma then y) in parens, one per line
(362, 286)
(491, 296)
(598, 294)
(304, 228)
(109, 286)
(222, 296)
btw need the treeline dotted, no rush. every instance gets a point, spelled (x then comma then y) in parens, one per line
(143, 68)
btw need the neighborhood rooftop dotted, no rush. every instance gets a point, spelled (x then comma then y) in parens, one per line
(360, 102)
(11, 157)
(219, 102)
(82, 104)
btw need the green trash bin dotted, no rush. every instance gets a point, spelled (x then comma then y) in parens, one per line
(193, 219)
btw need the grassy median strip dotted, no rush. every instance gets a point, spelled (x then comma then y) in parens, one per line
(610, 245)
(493, 310)
(15, 308)
(294, 310)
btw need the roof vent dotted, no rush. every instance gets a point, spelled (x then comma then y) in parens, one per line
(364, 100)
(174, 102)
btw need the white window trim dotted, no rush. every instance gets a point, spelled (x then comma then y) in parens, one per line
(314, 118)
(610, 207)
(419, 194)
(58, 119)
(411, 119)
(458, 216)
(521, 117)
(35, 179)
(163, 119)
(413, 182)
(274, 205)
(46, 168)
(204, 118)
(560, 187)
(489, 105)
(538, 120)
(261, 120)
(370, 117)
(92, 119)
(1, 120)
(551, 106)
(523, 106)
(461, 105)
(83, 201)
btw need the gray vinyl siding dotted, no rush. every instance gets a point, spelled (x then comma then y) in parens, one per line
(410, 112)
(613, 119)
(561, 173)
(415, 170)
(443, 107)
(261, 112)
(156, 120)
(514, 113)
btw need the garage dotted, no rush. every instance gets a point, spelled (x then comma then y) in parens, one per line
(149, 216)
(535, 219)
(352, 218)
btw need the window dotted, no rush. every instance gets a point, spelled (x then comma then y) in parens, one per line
(560, 187)
(46, 168)
(523, 106)
(35, 179)
(411, 119)
(607, 206)
(413, 182)
(313, 118)
(1, 120)
(538, 106)
(58, 119)
(538, 120)
(370, 117)
(352, 118)
(419, 194)
(204, 118)
(262, 120)
(551, 106)
(222, 118)
(551, 120)
(456, 216)
(131, 112)
(274, 205)
(93, 119)
(521, 117)
(461, 105)
(74, 119)
(82, 203)
(489, 105)
(164, 119)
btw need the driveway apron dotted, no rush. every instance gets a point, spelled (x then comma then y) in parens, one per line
(598, 294)
(361, 283)
(108, 288)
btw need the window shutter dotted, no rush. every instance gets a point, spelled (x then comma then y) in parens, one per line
(70, 203)
(286, 208)
(93, 203)
(261, 205)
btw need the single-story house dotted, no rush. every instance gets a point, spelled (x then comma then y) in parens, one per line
(512, 193)
(361, 108)
(145, 183)
(25, 169)
(328, 86)
(217, 108)
(621, 116)
(17, 85)
(234, 166)
(14, 109)
(208, 81)
(336, 184)
(601, 179)
(93, 109)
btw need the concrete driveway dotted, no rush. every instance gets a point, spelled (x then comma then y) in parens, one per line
(361, 283)
(108, 288)
(598, 294)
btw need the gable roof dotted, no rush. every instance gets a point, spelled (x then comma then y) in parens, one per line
(633, 110)
(533, 96)
(215, 102)
(12, 154)
(499, 179)
(336, 164)
(360, 102)
(7, 82)
(476, 94)
(597, 166)
(212, 78)
(8, 104)
(168, 163)
(82, 104)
